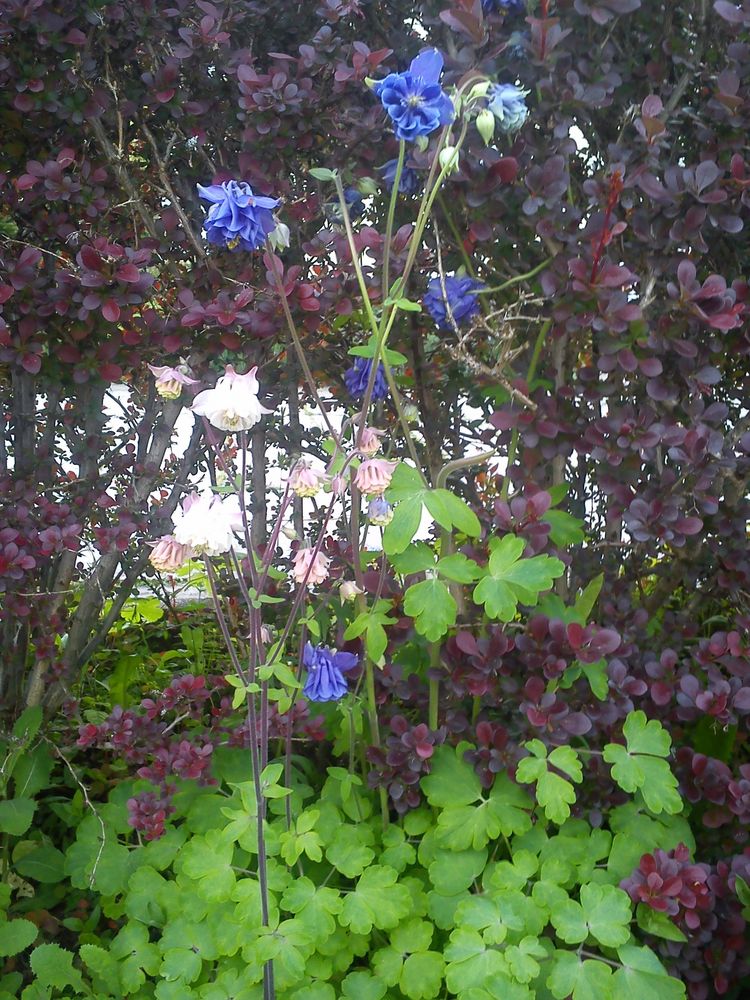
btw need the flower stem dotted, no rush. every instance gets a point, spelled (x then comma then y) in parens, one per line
(391, 216)
(516, 278)
(513, 447)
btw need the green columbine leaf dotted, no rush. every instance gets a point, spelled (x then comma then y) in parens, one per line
(504, 812)
(451, 781)
(322, 173)
(412, 497)
(640, 767)
(349, 852)
(522, 958)
(315, 907)
(511, 580)
(453, 871)
(580, 979)
(422, 976)
(459, 568)
(207, 860)
(362, 986)
(643, 976)
(603, 912)
(554, 794)
(377, 901)
(432, 607)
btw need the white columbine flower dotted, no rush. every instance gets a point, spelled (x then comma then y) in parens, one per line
(232, 405)
(207, 523)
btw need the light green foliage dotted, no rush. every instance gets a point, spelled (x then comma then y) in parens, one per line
(432, 607)
(412, 497)
(466, 898)
(512, 580)
(554, 794)
(641, 766)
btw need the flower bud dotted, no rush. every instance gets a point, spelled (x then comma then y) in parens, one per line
(479, 90)
(421, 142)
(288, 532)
(411, 413)
(367, 186)
(338, 485)
(380, 512)
(486, 125)
(168, 555)
(448, 159)
(279, 238)
(369, 442)
(349, 590)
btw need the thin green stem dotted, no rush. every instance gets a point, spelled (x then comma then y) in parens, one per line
(391, 216)
(516, 279)
(513, 447)
(456, 236)
(434, 687)
(355, 256)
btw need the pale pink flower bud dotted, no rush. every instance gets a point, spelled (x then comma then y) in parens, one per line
(305, 481)
(374, 476)
(265, 635)
(168, 554)
(349, 590)
(169, 381)
(318, 566)
(369, 443)
(288, 532)
(338, 485)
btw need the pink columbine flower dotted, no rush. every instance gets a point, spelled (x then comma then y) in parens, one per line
(319, 567)
(208, 523)
(374, 476)
(168, 554)
(369, 443)
(169, 381)
(232, 405)
(305, 481)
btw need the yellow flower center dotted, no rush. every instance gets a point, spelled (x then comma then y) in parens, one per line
(414, 100)
(233, 243)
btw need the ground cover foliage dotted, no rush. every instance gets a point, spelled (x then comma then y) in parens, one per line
(534, 781)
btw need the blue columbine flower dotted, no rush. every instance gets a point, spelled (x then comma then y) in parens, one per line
(325, 681)
(414, 99)
(379, 511)
(410, 182)
(357, 377)
(237, 217)
(508, 104)
(355, 205)
(506, 6)
(461, 293)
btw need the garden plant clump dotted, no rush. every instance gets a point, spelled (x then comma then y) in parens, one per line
(374, 462)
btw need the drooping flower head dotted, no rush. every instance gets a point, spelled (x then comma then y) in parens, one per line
(374, 476)
(305, 560)
(305, 481)
(168, 555)
(409, 183)
(169, 381)
(357, 377)
(237, 217)
(207, 523)
(349, 590)
(414, 100)
(507, 102)
(232, 405)
(355, 205)
(325, 679)
(379, 511)
(462, 299)
(369, 443)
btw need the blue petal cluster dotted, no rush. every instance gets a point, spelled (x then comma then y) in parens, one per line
(508, 104)
(237, 217)
(462, 298)
(506, 6)
(414, 100)
(355, 205)
(325, 680)
(379, 511)
(410, 181)
(357, 377)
